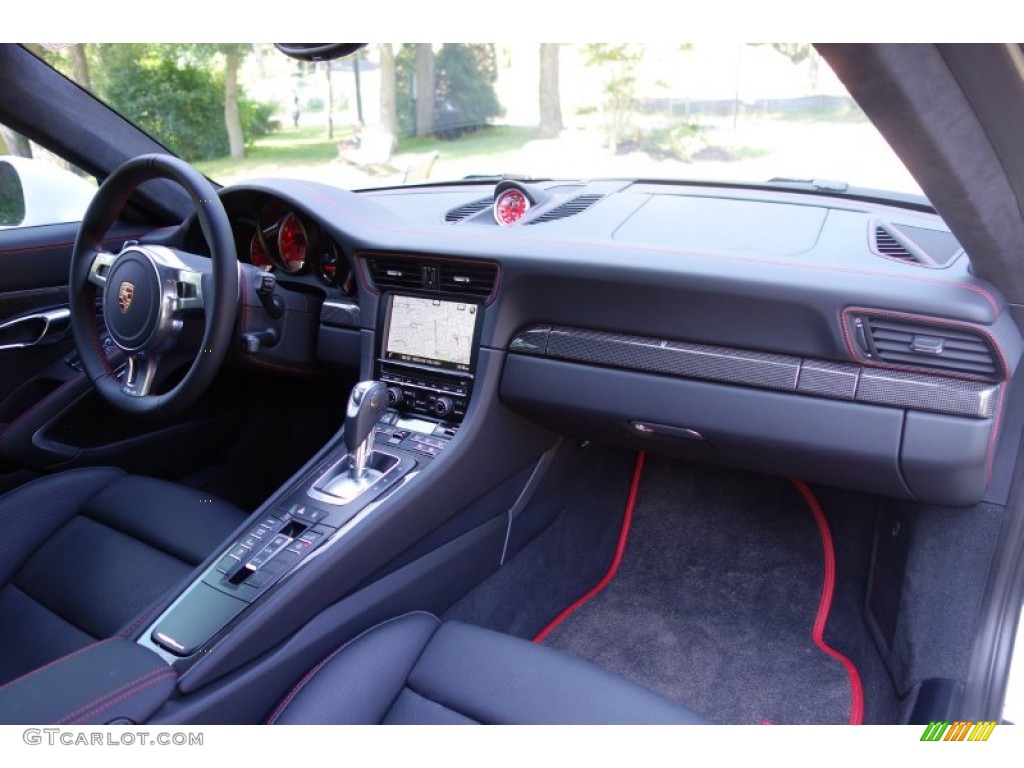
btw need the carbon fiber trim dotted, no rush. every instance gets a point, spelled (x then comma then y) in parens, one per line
(697, 361)
(764, 370)
(837, 381)
(344, 314)
(958, 397)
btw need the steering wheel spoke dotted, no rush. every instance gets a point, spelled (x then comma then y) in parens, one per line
(188, 291)
(140, 374)
(100, 268)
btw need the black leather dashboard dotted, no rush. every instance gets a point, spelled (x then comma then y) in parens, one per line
(841, 340)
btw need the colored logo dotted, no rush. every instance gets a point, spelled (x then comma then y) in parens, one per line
(961, 730)
(125, 294)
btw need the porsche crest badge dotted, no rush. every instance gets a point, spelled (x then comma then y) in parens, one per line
(125, 294)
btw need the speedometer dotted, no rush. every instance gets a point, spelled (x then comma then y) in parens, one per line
(292, 244)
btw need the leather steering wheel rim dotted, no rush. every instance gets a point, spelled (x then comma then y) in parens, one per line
(219, 291)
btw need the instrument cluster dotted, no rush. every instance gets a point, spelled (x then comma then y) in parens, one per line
(283, 241)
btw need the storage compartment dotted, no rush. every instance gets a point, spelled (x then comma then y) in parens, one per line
(883, 450)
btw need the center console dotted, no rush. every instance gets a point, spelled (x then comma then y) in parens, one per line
(428, 355)
(395, 426)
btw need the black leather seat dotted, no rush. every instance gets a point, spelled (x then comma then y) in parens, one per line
(416, 670)
(91, 553)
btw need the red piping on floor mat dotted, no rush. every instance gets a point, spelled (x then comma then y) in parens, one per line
(825, 606)
(620, 548)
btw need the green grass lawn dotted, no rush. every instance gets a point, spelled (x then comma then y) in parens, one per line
(309, 145)
(486, 142)
(306, 145)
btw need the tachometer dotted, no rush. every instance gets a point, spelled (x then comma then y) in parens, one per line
(510, 206)
(257, 255)
(291, 244)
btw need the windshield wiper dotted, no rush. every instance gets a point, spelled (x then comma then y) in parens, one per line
(843, 189)
(817, 185)
(496, 177)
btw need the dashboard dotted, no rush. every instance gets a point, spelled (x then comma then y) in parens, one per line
(838, 339)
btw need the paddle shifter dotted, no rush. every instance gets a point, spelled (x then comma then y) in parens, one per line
(365, 404)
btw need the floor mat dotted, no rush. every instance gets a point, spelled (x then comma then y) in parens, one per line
(715, 600)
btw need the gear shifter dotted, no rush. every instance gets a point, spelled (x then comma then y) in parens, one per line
(365, 404)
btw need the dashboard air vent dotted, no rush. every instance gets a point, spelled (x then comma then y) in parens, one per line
(450, 277)
(395, 273)
(468, 279)
(914, 245)
(578, 204)
(887, 245)
(906, 343)
(463, 212)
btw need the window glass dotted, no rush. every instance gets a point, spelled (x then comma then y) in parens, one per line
(36, 186)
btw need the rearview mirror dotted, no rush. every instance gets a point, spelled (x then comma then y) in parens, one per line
(318, 51)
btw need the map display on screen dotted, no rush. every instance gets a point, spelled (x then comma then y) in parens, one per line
(431, 332)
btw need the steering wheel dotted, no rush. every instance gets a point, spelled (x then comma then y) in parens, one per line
(154, 297)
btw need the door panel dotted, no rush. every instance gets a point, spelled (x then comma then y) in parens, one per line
(50, 418)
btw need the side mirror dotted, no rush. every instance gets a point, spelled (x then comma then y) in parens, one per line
(12, 196)
(35, 192)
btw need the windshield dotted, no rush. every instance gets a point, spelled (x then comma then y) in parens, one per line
(400, 113)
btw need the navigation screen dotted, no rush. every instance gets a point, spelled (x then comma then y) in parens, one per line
(431, 332)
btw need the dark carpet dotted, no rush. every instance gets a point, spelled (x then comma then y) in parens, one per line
(715, 600)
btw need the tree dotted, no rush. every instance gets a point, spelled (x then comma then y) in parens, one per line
(388, 90)
(330, 100)
(80, 66)
(619, 64)
(424, 89)
(177, 94)
(464, 86)
(232, 114)
(795, 52)
(550, 98)
(15, 143)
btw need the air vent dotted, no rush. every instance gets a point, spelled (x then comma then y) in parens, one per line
(463, 212)
(914, 245)
(889, 246)
(468, 279)
(459, 278)
(569, 208)
(923, 345)
(395, 273)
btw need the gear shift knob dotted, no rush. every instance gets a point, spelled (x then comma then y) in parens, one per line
(365, 404)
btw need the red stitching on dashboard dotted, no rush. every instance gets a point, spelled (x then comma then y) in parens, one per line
(825, 605)
(938, 322)
(620, 548)
(997, 418)
(989, 298)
